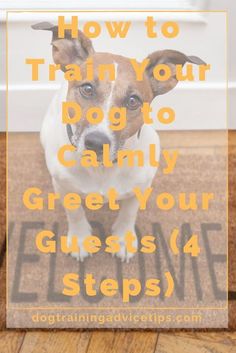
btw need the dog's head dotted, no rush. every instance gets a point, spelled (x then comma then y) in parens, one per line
(125, 91)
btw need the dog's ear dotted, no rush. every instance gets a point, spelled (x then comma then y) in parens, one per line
(170, 58)
(67, 50)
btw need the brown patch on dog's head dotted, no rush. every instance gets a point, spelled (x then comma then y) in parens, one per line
(107, 94)
(171, 58)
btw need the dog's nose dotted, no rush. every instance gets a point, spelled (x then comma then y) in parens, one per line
(94, 141)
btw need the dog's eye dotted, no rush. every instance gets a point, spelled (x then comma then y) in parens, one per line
(87, 90)
(133, 102)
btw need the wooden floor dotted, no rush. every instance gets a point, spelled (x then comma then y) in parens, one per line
(110, 341)
(116, 342)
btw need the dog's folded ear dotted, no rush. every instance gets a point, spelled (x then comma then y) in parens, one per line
(44, 26)
(171, 58)
(67, 50)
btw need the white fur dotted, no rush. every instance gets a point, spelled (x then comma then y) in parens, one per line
(86, 180)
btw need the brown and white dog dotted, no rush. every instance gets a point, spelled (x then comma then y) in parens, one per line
(124, 91)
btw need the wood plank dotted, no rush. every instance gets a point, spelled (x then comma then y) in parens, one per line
(101, 341)
(120, 342)
(135, 342)
(3, 295)
(10, 342)
(232, 138)
(232, 226)
(3, 191)
(55, 342)
(232, 316)
(228, 338)
(2, 231)
(171, 344)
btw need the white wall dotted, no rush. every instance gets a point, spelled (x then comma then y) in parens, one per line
(197, 105)
(230, 6)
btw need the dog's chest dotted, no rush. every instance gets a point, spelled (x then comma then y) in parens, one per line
(102, 181)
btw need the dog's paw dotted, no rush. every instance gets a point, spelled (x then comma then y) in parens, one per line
(82, 253)
(123, 253)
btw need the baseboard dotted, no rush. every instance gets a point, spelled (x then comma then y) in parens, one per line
(193, 104)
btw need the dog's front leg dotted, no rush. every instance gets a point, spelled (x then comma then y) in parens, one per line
(124, 223)
(78, 226)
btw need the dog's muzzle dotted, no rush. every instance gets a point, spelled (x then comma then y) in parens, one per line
(94, 141)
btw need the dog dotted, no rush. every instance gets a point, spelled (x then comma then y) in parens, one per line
(124, 91)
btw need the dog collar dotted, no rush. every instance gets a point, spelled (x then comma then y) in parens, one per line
(70, 135)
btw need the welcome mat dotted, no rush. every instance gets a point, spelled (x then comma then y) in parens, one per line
(35, 279)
